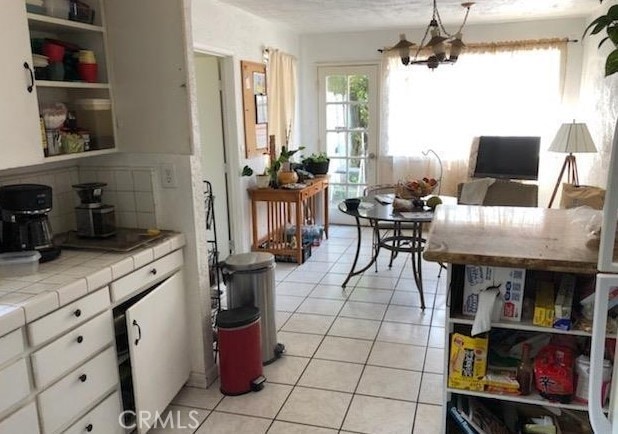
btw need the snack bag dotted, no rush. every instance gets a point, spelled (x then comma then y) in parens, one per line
(553, 372)
(467, 362)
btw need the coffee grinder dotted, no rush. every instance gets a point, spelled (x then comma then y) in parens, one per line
(94, 219)
(24, 210)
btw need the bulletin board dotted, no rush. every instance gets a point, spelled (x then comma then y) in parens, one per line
(255, 107)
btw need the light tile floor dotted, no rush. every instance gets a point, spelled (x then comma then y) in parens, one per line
(366, 359)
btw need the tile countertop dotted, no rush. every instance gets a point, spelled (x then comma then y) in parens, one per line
(75, 273)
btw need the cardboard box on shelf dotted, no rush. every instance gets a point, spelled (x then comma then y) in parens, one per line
(467, 362)
(564, 302)
(544, 304)
(510, 282)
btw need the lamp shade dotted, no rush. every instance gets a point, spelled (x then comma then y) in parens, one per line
(571, 138)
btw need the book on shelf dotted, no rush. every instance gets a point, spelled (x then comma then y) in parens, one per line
(461, 423)
(483, 420)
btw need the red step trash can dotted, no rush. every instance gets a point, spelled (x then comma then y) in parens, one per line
(240, 356)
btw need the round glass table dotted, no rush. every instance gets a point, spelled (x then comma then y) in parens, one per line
(404, 234)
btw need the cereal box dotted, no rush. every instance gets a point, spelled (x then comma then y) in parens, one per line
(510, 282)
(467, 362)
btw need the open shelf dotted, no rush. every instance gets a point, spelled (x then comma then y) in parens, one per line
(72, 84)
(533, 398)
(47, 23)
(521, 325)
(72, 156)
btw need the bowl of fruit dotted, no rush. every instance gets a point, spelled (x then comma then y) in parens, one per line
(416, 188)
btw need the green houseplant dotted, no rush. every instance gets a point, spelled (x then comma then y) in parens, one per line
(317, 163)
(609, 23)
(281, 163)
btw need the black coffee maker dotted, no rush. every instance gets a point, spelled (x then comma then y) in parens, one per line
(24, 220)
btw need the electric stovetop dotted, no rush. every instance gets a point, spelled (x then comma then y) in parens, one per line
(126, 239)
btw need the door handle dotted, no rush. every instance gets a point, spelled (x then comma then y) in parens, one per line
(31, 86)
(371, 156)
(139, 332)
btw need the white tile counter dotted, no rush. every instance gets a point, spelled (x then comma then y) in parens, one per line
(74, 274)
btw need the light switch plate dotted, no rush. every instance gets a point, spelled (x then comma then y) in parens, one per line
(168, 176)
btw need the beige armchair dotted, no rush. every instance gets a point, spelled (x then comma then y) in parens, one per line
(508, 193)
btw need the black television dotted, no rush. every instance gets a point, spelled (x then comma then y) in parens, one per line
(508, 157)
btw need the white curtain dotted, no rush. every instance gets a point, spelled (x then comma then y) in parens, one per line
(516, 91)
(281, 82)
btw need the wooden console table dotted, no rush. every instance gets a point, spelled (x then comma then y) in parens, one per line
(286, 207)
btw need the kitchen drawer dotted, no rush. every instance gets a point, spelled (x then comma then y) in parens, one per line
(77, 391)
(24, 420)
(67, 317)
(103, 419)
(72, 349)
(11, 345)
(145, 277)
(14, 384)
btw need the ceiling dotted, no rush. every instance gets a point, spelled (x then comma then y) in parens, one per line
(313, 16)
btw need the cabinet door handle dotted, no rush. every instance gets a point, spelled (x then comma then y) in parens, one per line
(139, 332)
(153, 271)
(77, 313)
(80, 339)
(83, 378)
(89, 427)
(31, 86)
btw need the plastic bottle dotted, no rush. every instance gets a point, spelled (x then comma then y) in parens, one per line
(525, 371)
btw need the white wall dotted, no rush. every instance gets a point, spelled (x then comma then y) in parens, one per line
(599, 108)
(225, 30)
(361, 47)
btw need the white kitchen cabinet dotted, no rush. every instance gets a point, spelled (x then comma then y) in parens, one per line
(14, 384)
(23, 95)
(148, 42)
(19, 120)
(24, 420)
(77, 391)
(158, 346)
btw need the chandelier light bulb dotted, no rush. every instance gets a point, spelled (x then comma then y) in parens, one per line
(438, 38)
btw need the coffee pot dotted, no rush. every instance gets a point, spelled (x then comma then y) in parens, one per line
(94, 219)
(24, 210)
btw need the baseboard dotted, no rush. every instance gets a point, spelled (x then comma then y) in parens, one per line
(199, 379)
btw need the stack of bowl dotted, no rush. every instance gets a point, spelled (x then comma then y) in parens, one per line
(87, 66)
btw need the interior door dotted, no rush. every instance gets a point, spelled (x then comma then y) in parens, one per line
(348, 122)
(212, 141)
(158, 347)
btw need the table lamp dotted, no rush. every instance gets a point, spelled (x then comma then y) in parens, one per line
(570, 138)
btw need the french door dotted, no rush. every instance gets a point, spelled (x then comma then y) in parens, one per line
(348, 130)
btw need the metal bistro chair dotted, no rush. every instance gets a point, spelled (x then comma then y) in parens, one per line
(385, 226)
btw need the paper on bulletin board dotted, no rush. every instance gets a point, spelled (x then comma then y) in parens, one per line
(261, 136)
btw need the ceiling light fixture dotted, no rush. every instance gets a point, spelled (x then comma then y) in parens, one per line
(437, 44)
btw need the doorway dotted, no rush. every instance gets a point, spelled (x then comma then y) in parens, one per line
(348, 131)
(213, 144)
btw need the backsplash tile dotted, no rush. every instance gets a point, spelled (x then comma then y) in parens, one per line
(64, 200)
(130, 190)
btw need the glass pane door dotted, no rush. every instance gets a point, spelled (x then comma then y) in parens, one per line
(348, 130)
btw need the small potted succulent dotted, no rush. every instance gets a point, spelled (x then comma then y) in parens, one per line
(317, 163)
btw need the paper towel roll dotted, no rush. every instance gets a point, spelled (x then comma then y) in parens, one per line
(485, 311)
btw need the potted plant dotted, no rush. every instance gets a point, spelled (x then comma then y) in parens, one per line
(262, 180)
(609, 23)
(317, 163)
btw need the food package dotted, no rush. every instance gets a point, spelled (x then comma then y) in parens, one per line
(553, 373)
(510, 282)
(501, 381)
(544, 304)
(564, 302)
(467, 362)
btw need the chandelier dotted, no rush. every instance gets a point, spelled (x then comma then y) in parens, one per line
(437, 44)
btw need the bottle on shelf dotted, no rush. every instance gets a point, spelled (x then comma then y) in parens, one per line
(525, 371)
